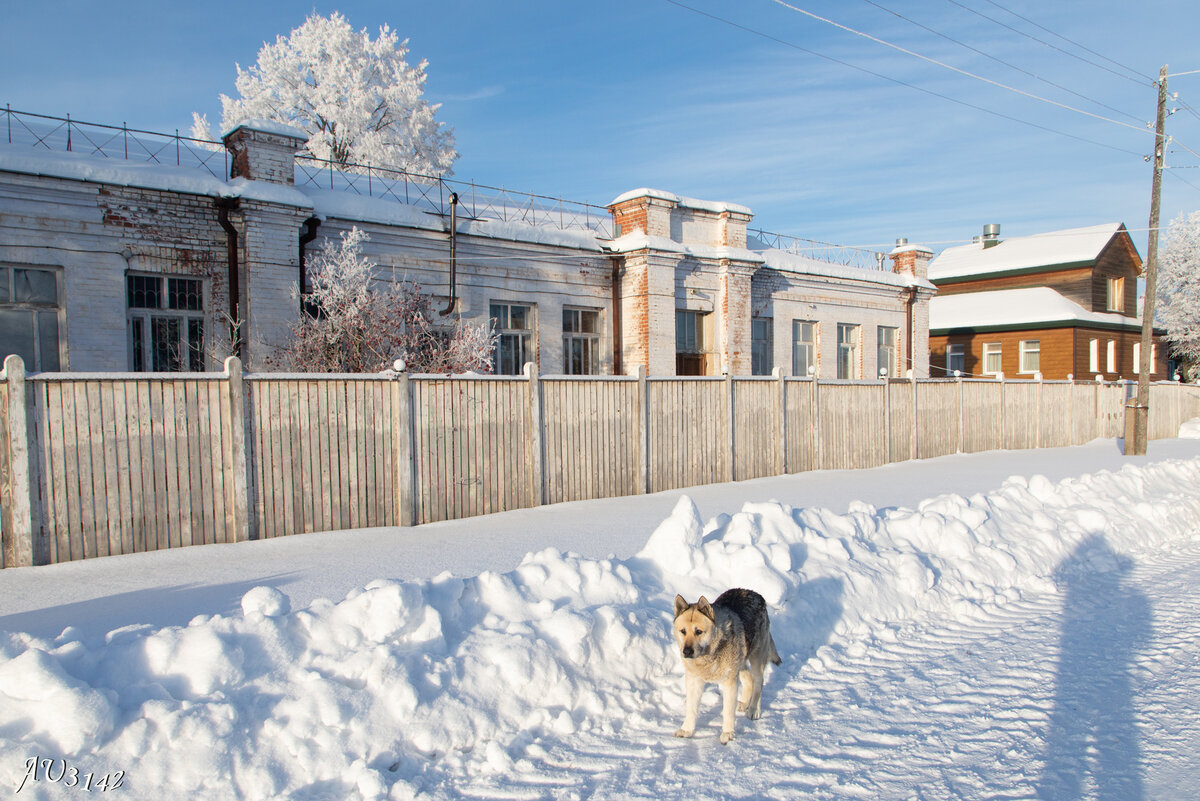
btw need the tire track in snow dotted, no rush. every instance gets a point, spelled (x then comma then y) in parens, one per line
(943, 709)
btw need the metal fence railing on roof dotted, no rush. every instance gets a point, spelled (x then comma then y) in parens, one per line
(63, 134)
(476, 201)
(844, 255)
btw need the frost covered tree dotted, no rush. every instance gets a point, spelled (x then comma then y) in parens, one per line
(361, 326)
(1178, 302)
(357, 98)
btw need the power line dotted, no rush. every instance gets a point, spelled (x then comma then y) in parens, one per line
(899, 82)
(1003, 62)
(1141, 75)
(953, 68)
(1141, 79)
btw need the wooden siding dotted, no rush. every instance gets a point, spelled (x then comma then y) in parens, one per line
(1064, 352)
(138, 463)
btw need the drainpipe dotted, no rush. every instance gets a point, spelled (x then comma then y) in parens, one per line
(618, 263)
(224, 206)
(310, 233)
(453, 263)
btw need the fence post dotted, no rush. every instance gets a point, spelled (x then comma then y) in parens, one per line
(18, 492)
(916, 421)
(406, 468)
(818, 460)
(730, 443)
(887, 419)
(242, 525)
(962, 428)
(781, 429)
(537, 481)
(643, 430)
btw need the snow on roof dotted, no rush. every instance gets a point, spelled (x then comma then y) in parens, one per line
(1072, 246)
(1012, 307)
(269, 126)
(714, 206)
(804, 265)
(641, 241)
(166, 177)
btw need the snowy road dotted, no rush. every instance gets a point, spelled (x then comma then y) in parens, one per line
(1064, 695)
(1028, 637)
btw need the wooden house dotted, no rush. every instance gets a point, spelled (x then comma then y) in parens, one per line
(1061, 304)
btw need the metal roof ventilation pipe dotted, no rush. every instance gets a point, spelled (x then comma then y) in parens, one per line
(991, 235)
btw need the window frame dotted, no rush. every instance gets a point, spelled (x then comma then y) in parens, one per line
(509, 336)
(588, 342)
(1114, 296)
(144, 323)
(991, 349)
(849, 352)
(1024, 353)
(809, 346)
(887, 354)
(45, 317)
(956, 351)
(762, 349)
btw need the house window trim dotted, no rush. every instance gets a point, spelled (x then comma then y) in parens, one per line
(959, 350)
(40, 310)
(762, 349)
(993, 349)
(852, 350)
(1114, 295)
(194, 355)
(591, 340)
(887, 355)
(1023, 354)
(529, 334)
(810, 345)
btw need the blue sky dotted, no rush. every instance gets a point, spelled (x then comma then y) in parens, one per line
(588, 100)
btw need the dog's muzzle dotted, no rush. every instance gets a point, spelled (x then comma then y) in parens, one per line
(689, 652)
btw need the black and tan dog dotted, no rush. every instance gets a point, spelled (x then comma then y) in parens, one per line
(720, 642)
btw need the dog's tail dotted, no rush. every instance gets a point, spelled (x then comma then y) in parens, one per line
(775, 660)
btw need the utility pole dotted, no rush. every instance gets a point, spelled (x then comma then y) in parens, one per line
(1137, 414)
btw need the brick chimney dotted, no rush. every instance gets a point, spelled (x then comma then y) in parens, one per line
(261, 150)
(912, 260)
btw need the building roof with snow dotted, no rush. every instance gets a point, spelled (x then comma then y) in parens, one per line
(1030, 307)
(1075, 247)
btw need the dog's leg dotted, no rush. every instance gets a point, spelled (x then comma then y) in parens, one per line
(729, 690)
(746, 691)
(754, 702)
(695, 688)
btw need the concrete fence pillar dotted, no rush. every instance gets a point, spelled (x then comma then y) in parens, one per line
(20, 519)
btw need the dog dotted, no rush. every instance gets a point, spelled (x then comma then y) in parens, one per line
(717, 642)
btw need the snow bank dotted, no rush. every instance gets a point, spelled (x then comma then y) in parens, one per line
(404, 688)
(1190, 429)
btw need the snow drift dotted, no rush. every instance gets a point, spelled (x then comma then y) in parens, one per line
(402, 688)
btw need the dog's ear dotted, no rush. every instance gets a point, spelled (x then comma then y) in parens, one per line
(705, 608)
(680, 605)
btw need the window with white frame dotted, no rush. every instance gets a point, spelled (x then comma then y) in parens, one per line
(993, 354)
(691, 355)
(1115, 295)
(956, 359)
(1094, 355)
(1031, 355)
(1112, 356)
(581, 342)
(166, 323)
(886, 350)
(29, 316)
(849, 362)
(513, 324)
(762, 356)
(1137, 357)
(804, 347)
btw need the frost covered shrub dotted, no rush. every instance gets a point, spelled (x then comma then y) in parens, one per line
(1179, 289)
(356, 326)
(357, 98)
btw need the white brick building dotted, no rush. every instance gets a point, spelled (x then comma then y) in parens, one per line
(110, 265)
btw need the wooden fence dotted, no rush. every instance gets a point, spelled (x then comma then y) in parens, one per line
(96, 464)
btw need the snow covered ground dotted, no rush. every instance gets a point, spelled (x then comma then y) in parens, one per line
(999, 625)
